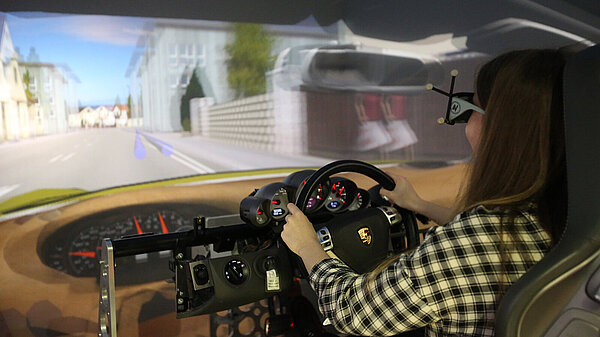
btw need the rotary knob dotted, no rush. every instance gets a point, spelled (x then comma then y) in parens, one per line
(236, 272)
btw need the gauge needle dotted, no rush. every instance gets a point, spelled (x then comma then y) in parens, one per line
(137, 225)
(86, 254)
(162, 224)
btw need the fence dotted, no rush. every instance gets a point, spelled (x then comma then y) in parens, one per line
(245, 122)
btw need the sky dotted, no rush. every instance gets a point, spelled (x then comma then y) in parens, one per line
(96, 48)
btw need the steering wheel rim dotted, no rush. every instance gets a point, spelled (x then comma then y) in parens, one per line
(356, 166)
(337, 167)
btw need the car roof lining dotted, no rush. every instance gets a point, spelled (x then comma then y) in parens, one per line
(389, 20)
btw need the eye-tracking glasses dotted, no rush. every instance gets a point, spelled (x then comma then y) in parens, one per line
(460, 105)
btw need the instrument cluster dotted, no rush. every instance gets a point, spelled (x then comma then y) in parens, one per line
(75, 248)
(334, 195)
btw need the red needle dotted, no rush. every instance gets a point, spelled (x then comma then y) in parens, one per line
(162, 224)
(86, 254)
(137, 226)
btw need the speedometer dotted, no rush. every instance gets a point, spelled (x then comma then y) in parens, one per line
(75, 249)
(86, 245)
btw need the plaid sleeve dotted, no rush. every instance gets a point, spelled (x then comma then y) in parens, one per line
(449, 283)
(391, 307)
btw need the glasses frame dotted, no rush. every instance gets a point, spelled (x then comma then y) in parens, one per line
(460, 105)
(460, 108)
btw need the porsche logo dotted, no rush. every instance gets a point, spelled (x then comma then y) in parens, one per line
(365, 235)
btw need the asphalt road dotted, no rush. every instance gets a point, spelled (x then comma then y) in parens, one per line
(100, 158)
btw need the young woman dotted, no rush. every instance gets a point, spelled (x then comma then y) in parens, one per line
(510, 213)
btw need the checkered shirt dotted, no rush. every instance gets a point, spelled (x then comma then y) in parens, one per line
(449, 284)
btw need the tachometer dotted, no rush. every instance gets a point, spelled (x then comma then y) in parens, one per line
(341, 195)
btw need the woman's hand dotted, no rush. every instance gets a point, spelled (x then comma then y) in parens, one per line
(300, 237)
(298, 233)
(403, 195)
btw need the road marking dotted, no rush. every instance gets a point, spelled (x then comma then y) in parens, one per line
(193, 162)
(175, 155)
(195, 168)
(7, 189)
(55, 158)
(67, 157)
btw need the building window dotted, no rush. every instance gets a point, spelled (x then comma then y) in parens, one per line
(32, 84)
(172, 54)
(51, 100)
(183, 54)
(173, 81)
(16, 76)
(200, 55)
(48, 83)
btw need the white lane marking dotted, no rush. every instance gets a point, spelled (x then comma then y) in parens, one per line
(182, 158)
(8, 189)
(194, 162)
(67, 157)
(197, 169)
(55, 158)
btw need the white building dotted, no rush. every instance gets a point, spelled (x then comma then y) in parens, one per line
(17, 117)
(161, 67)
(54, 88)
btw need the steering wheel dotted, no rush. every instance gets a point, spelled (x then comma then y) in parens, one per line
(361, 238)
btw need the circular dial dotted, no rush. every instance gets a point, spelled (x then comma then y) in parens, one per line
(317, 197)
(236, 272)
(78, 251)
(84, 250)
(361, 200)
(262, 217)
(341, 195)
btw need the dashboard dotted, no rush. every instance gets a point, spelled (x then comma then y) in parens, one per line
(48, 258)
(257, 263)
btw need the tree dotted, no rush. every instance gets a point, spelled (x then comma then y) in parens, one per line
(193, 90)
(27, 82)
(248, 59)
(129, 106)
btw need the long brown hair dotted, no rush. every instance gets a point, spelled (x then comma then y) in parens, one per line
(520, 159)
(521, 153)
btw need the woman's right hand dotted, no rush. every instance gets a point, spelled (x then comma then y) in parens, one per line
(403, 195)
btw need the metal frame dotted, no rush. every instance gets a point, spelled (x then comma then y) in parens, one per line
(107, 318)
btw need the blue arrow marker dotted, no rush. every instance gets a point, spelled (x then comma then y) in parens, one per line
(139, 150)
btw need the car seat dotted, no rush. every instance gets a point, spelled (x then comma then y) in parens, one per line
(560, 296)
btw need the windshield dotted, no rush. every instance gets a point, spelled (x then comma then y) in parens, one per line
(90, 102)
(118, 126)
